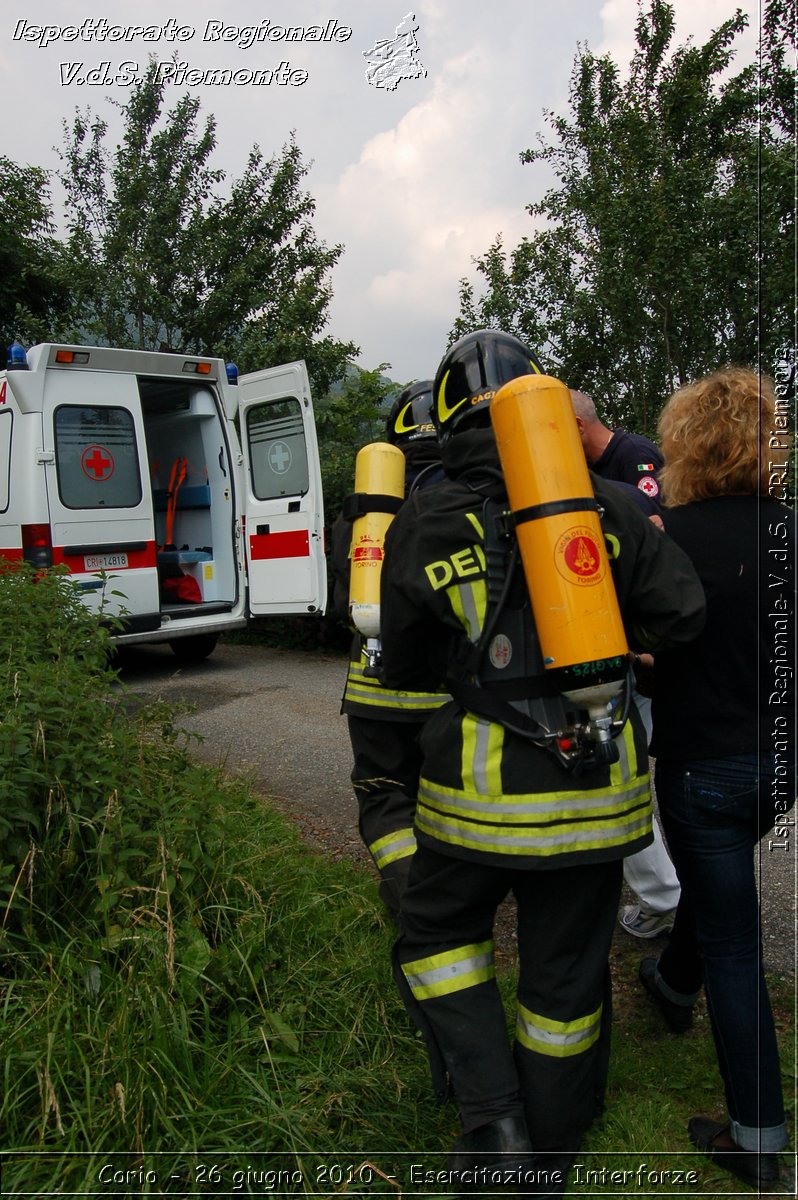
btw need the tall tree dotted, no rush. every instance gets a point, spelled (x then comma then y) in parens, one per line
(660, 252)
(165, 259)
(34, 291)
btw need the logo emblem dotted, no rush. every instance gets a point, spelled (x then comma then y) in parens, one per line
(401, 425)
(444, 410)
(500, 652)
(280, 458)
(97, 462)
(649, 485)
(367, 553)
(577, 557)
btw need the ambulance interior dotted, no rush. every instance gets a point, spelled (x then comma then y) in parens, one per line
(192, 487)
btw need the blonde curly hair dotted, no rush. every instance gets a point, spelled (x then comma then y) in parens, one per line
(715, 437)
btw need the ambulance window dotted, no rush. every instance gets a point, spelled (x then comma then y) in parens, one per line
(277, 449)
(6, 424)
(96, 457)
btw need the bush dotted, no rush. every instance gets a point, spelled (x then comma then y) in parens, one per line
(104, 821)
(62, 753)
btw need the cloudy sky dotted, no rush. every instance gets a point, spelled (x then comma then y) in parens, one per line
(414, 182)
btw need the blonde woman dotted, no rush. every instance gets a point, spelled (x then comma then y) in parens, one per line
(724, 719)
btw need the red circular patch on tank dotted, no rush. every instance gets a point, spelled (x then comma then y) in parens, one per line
(578, 557)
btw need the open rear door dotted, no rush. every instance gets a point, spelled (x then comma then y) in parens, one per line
(284, 532)
(98, 489)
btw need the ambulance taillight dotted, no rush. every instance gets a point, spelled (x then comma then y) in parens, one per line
(37, 545)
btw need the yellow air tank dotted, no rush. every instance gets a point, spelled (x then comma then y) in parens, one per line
(560, 540)
(379, 474)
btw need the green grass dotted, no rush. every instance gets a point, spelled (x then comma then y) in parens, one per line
(280, 1045)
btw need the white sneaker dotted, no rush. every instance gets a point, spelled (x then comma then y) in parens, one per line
(640, 923)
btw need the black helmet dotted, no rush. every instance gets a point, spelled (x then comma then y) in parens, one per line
(410, 418)
(472, 371)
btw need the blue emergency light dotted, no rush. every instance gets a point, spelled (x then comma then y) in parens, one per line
(17, 359)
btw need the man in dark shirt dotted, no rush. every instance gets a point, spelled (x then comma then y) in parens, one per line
(614, 453)
(627, 460)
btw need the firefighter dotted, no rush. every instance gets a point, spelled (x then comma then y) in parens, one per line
(502, 807)
(383, 723)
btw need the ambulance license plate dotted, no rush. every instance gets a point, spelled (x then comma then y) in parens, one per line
(103, 562)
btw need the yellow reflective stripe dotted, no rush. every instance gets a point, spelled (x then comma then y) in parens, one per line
(626, 768)
(452, 971)
(613, 545)
(557, 1039)
(545, 808)
(384, 698)
(534, 827)
(483, 743)
(469, 603)
(499, 840)
(475, 521)
(399, 844)
(364, 689)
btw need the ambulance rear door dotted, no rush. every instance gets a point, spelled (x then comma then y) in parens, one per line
(283, 506)
(101, 512)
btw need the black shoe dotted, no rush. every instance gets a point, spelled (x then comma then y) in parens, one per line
(763, 1171)
(678, 1017)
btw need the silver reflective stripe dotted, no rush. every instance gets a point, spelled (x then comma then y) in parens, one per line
(364, 690)
(480, 760)
(470, 611)
(377, 698)
(453, 971)
(400, 844)
(557, 1039)
(562, 803)
(500, 839)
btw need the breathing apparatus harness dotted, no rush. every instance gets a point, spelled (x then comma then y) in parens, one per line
(502, 677)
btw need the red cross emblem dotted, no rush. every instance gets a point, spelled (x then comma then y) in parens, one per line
(97, 462)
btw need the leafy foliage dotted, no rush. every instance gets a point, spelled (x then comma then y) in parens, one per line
(165, 261)
(81, 828)
(34, 286)
(660, 250)
(349, 417)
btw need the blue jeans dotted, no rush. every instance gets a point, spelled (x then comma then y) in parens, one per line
(714, 812)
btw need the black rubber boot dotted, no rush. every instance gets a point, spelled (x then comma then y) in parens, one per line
(498, 1157)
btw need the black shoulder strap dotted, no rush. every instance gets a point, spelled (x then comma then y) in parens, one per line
(360, 503)
(487, 703)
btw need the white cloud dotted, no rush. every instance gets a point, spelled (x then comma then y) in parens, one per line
(430, 194)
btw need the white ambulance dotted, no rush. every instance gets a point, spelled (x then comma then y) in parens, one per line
(128, 467)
